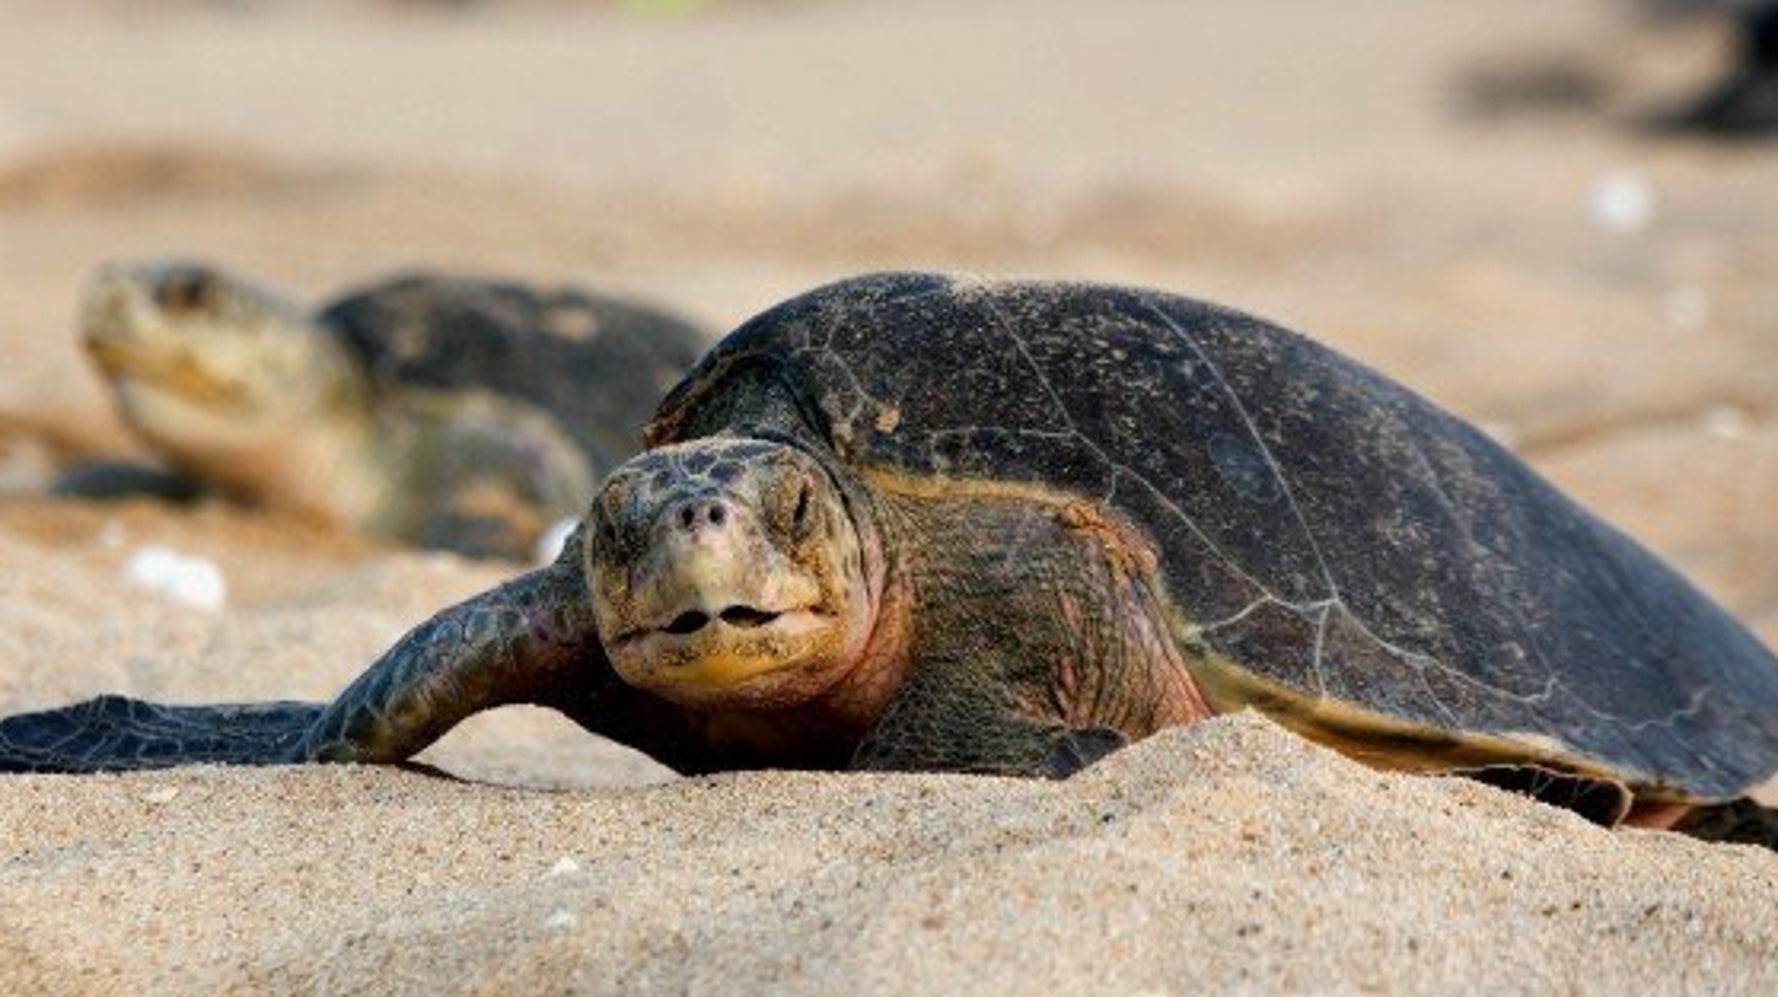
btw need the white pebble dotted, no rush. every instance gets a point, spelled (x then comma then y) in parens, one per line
(189, 581)
(561, 920)
(565, 866)
(1726, 422)
(160, 794)
(549, 546)
(1621, 201)
(440, 560)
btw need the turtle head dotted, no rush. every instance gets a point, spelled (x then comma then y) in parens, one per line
(205, 364)
(729, 572)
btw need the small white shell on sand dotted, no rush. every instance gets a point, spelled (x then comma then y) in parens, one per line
(549, 546)
(565, 866)
(561, 920)
(160, 794)
(189, 581)
(1726, 422)
(1621, 201)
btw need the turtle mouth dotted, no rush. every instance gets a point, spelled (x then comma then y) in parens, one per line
(740, 617)
(707, 652)
(121, 357)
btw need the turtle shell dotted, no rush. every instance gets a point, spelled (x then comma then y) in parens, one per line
(597, 364)
(1346, 544)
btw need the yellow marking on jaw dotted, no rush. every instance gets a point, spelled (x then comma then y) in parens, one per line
(720, 658)
(721, 669)
(179, 375)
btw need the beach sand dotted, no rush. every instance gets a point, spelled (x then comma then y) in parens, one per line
(1599, 298)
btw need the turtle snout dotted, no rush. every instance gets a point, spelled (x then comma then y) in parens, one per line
(709, 559)
(107, 310)
(703, 514)
(709, 553)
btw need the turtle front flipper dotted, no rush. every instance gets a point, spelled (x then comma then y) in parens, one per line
(958, 712)
(1741, 821)
(934, 730)
(115, 733)
(105, 480)
(531, 640)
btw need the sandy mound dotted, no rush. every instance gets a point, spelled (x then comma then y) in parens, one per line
(1224, 856)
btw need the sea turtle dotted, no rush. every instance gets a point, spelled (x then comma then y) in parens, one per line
(448, 412)
(915, 521)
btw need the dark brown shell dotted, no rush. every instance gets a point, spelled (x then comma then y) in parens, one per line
(1317, 523)
(596, 364)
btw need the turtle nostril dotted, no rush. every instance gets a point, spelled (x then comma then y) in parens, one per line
(696, 514)
(688, 622)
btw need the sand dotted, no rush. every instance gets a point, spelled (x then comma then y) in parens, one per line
(1599, 298)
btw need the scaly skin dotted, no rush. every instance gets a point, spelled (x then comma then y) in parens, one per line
(1035, 633)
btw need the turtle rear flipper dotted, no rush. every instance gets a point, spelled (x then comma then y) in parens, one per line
(116, 733)
(1605, 802)
(115, 480)
(1741, 821)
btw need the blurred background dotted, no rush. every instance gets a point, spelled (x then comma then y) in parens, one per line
(1476, 197)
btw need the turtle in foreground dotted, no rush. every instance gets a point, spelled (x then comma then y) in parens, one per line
(910, 521)
(446, 412)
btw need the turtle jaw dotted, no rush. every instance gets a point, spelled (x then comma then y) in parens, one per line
(701, 657)
(136, 372)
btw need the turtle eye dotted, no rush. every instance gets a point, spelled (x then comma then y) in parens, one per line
(799, 515)
(604, 515)
(187, 293)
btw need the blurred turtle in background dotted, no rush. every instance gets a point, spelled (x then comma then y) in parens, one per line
(453, 413)
(1745, 102)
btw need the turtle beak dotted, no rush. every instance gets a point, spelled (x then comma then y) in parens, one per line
(711, 564)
